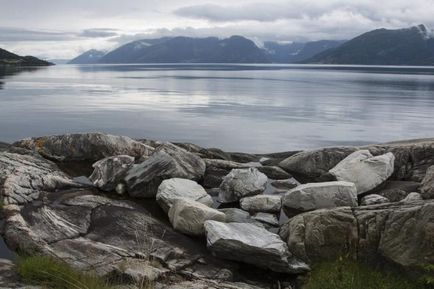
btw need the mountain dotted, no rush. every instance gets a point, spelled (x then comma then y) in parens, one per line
(410, 46)
(11, 59)
(297, 51)
(89, 57)
(235, 49)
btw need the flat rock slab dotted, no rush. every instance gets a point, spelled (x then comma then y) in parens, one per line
(87, 146)
(313, 196)
(251, 244)
(262, 203)
(24, 177)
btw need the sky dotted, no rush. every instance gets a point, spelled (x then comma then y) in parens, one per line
(62, 29)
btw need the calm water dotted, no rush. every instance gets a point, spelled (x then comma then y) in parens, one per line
(255, 108)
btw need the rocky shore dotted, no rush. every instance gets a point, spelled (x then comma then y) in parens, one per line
(190, 217)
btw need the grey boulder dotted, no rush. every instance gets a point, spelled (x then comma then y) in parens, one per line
(87, 146)
(364, 170)
(427, 189)
(267, 219)
(313, 196)
(240, 183)
(412, 197)
(262, 203)
(168, 161)
(188, 216)
(253, 245)
(172, 189)
(109, 172)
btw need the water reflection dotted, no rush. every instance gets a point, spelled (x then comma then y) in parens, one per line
(257, 108)
(8, 71)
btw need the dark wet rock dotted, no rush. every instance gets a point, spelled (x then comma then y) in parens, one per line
(4, 146)
(364, 170)
(274, 172)
(88, 146)
(313, 196)
(396, 191)
(373, 199)
(400, 233)
(240, 183)
(188, 216)
(262, 203)
(234, 215)
(216, 170)
(266, 218)
(427, 189)
(251, 244)
(109, 173)
(24, 177)
(172, 189)
(168, 161)
(285, 185)
(313, 164)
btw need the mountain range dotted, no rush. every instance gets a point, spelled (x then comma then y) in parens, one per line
(410, 46)
(11, 59)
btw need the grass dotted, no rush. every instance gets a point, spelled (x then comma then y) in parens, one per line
(55, 274)
(347, 274)
(51, 273)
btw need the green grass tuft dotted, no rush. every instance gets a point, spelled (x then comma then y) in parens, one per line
(52, 273)
(347, 274)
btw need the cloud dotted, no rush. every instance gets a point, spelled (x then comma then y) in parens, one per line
(98, 33)
(18, 34)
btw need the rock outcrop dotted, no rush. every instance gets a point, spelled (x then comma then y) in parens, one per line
(313, 196)
(24, 177)
(251, 244)
(168, 161)
(189, 216)
(400, 233)
(240, 183)
(172, 189)
(84, 147)
(364, 170)
(108, 173)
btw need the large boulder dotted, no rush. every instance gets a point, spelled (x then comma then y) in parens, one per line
(189, 216)
(311, 165)
(364, 170)
(87, 146)
(172, 189)
(217, 169)
(108, 173)
(427, 189)
(235, 215)
(400, 233)
(313, 196)
(168, 161)
(262, 203)
(253, 245)
(240, 183)
(24, 177)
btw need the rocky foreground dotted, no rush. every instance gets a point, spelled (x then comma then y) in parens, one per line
(189, 217)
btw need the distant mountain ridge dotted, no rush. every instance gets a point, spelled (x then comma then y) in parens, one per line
(12, 59)
(92, 56)
(409, 46)
(235, 49)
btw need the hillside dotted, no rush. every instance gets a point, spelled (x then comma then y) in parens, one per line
(411, 46)
(89, 57)
(11, 59)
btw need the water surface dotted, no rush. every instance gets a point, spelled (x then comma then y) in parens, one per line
(253, 108)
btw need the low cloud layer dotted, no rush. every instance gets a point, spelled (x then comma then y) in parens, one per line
(62, 29)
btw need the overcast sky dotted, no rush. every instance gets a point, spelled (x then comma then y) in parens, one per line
(65, 28)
